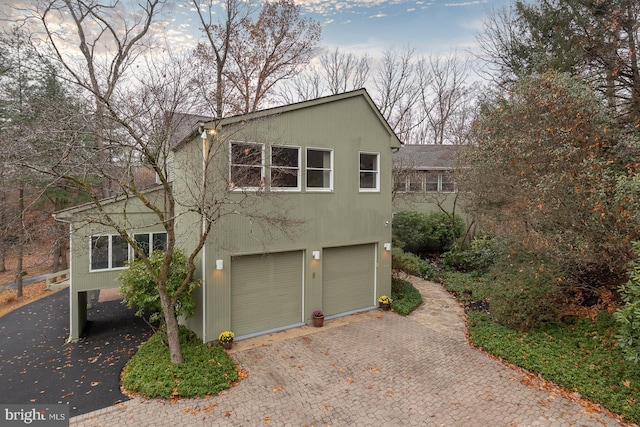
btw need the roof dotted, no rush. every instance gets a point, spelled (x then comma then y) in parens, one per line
(428, 156)
(217, 123)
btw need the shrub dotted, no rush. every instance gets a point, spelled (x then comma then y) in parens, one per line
(405, 296)
(410, 264)
(523, 294)
(628, 317)
(479, 257)
(421, 232)
(140, 291)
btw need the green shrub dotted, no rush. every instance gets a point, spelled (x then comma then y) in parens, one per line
(628, 317)
(479, 257)
(206, 370)
(421, 232)
(140, 291)
(406, 297)
(409, 263)
(522, 295)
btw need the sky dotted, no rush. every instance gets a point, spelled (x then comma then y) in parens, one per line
(370, 26)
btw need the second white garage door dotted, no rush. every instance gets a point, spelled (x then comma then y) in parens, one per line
(266, 292)
(348, 278)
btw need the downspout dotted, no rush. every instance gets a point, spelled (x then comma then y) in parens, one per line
(205, 155)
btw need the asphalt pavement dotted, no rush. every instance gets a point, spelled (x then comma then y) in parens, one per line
(38, 365)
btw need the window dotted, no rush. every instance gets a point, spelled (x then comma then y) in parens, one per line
(150, 242)
(431, 181)
(369, 172)
(108, 252)
(285, 168)
(246, 165)
(319, 169)
(448, 185)
(415, 182)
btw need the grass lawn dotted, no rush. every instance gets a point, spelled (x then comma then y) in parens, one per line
(581, 356)
(207, 370)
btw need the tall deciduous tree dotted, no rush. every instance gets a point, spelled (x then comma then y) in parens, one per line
(140, 99)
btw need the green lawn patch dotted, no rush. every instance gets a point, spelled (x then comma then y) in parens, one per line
(405, 296)
(207, 370)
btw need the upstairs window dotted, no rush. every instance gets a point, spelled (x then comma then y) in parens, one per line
(369, 172)
(108, 252)
(319, 169)
(285, 168)
(246, 165)
(150, 242)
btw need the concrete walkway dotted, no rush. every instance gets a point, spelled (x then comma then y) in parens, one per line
(370, 369)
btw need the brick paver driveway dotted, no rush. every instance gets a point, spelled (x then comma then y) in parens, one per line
(378, 369)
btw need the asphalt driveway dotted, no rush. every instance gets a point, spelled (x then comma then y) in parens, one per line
(38, 366)
(369, 369)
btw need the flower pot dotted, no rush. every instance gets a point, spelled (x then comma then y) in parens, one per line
(227, 345)
(385, 307)
(318, 321)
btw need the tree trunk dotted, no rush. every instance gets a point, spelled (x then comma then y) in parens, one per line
(21, 241)
(60, 249)
(173, 337)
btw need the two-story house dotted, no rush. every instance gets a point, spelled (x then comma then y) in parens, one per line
(323, 167)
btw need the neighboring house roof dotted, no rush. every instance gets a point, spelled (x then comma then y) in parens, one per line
(215, 124)
(427, 156)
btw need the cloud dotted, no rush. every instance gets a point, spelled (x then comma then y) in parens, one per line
(465, 4)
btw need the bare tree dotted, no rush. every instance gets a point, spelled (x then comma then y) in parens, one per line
(446, 102)
(344, 71)
(337, 72)
(398, 83)
(251, 57)
(139, 116)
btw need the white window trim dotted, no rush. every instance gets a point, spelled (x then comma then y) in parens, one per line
(307, 168)
(298, 188)
(109, 254)
(377, 171)
(262, 167)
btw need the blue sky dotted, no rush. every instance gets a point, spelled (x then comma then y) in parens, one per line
(433, 26)
(369, 26)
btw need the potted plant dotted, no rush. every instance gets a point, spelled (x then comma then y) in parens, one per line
(385, 302)
(226, 339)
(318, 318)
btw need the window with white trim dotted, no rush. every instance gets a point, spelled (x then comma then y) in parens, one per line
(108, 252)
(369, 172)
(150, 242)
(319, 169)
(246, 165)
(285, 168)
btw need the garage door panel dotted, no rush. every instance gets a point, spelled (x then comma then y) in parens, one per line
(266, 292)
(348, 277)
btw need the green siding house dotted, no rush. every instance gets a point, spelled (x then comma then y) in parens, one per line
(424, 178)
(321, 167)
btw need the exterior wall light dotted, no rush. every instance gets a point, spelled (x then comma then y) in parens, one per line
(387, 246)
(219, 264)
(316, 254)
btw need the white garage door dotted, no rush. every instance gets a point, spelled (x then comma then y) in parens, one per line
(266, 292)
(348, 278)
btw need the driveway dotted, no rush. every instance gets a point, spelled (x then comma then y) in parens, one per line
(369, 369)
(37, 365)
